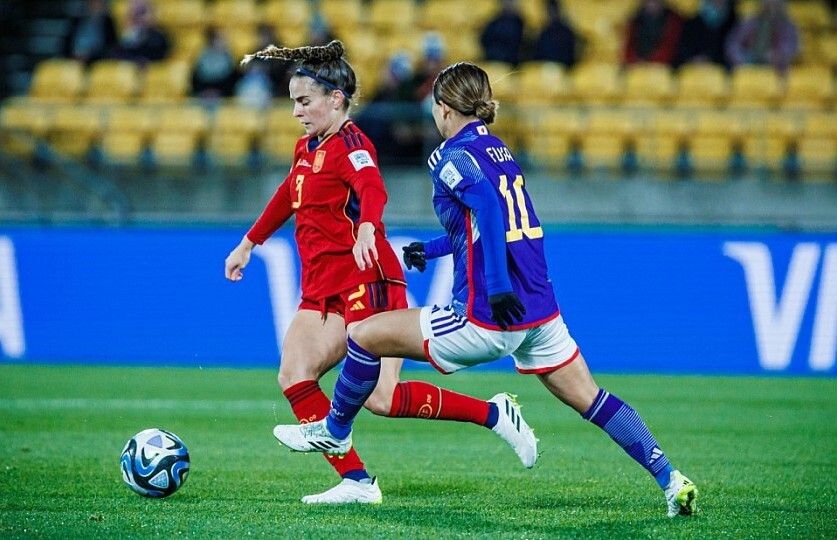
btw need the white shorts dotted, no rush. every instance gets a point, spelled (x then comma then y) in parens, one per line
(452, 342)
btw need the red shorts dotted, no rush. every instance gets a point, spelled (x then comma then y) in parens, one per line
(361, 302)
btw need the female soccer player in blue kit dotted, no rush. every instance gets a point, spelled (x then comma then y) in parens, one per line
(503, 301)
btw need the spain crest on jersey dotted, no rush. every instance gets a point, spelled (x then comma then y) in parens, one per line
(319, 159)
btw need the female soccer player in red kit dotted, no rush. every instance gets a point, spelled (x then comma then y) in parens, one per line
(349, 270)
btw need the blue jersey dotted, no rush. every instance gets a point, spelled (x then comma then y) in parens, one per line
(492, 231)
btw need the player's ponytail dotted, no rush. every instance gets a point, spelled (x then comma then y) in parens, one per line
(465, 87)
(325, 64)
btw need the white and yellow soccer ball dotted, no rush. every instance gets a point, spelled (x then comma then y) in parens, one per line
(155, 463)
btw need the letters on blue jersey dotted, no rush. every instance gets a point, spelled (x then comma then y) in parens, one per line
(470, 157)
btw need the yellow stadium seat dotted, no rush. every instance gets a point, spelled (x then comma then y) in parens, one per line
(187, 44)
(392, 16)
(25, 117)
(127, 133)
(343, 15)
(503, 80)
(507, 128)
(283, 130)
(119, 12)
(818, 145)
(58, 81)
(771, 138)
(702, 85)
(234, 13)
(285, 14)
(181, 14)
(648, 84)
(607, 136)
(456, 14)
(828, 48)
(810, 14)
(235, 132)
(543, 83)
(597, 84)
(808, 87)
(21, 125)
(756, 87)
(408, 40)
(463, 46)
(362, 48)
(74, 129)
(717, 135)
(686, 8)
(534, 15)
(166, 82)
(179, 134)
(550, 134)
(242, 41)
(664, 136)
(112, 81)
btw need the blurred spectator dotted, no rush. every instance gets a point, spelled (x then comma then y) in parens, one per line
(653, 34)
(705, 35)
(502, 36)
(142, 41)
(429, 65)
(277, 71)
(93, 35)
(254, 89)
(392, 117)
(214, 74)
(769, 37)
(556, 42)
(319, 32)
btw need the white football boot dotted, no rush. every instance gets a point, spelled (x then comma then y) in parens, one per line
(348, 492)
(513, 429)
(312, 437)
(680, 495)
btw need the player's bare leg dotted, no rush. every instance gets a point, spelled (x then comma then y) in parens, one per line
(574, 385)
(312, 346)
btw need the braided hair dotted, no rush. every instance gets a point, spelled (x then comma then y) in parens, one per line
(323, 63)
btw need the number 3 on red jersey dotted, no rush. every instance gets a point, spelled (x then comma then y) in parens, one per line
(300, 178)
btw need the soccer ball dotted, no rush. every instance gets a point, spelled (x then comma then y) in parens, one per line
(155, 463)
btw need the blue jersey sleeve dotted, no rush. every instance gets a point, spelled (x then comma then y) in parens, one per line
(469, 184)
(438, 247)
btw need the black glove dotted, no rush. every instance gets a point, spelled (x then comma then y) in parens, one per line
(414, 256)
(505, 308)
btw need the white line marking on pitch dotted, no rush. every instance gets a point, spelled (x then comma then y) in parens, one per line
(138, 404)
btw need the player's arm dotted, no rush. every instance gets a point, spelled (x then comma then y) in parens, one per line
(276, 213)
(418, 253)
(475, 191)
(360, 169)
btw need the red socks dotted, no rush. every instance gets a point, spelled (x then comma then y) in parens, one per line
(310, 404)
(418, 399)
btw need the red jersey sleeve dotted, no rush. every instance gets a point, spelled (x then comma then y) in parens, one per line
(278, 209)
(277, 212)
(360, 169)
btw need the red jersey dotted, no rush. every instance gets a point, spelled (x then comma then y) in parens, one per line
(333, 186)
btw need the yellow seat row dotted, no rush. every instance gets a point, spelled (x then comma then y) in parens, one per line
(547, 134)
(173, 133)
(709, 137)
(806, 87)
(110, 81)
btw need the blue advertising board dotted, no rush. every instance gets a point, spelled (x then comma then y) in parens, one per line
(661, 301)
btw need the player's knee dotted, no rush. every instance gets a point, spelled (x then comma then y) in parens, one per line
(361, 335)
(294, 370)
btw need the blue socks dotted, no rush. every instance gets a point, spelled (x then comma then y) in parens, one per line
(625, 426)
(355, 384)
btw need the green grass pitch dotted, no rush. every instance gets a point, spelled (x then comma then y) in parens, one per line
(763, 452)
